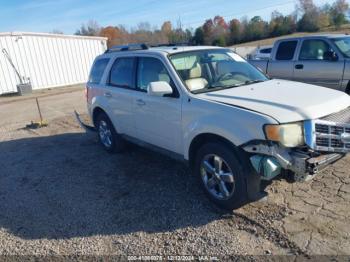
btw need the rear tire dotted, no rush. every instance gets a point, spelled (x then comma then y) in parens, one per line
(110, 140)
(221, 175)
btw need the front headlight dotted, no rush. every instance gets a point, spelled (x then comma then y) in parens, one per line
(289, 135)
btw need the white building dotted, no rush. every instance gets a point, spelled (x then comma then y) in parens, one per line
(48, 60)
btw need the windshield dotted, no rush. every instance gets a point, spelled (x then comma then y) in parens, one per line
(343, 45)
(210, 70)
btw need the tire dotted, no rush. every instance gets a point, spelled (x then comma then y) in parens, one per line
(228, 190)
(108, 137)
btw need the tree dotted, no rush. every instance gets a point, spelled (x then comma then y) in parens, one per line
(256, 29)
(198, 38)
(337, 13)
(208, 28)
(281, 25)
(234, 31)
(219, 41)
(309, 21)
(167, 28)
(92, 28)
(113, 34)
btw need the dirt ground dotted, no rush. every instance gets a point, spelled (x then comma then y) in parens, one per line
(61, 194)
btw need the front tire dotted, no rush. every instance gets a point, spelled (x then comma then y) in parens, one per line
(221, 175)
(110, 140)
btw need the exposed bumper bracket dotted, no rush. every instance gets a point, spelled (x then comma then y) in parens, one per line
(302, 164)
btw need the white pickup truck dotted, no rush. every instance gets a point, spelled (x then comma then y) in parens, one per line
(211, 108)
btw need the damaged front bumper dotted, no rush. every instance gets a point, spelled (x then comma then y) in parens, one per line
(270, 160)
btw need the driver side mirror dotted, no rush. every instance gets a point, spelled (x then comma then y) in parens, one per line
(330, 56)
(159, 88)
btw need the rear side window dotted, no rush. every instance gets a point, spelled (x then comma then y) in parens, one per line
(122, 72)
(265, 51)
(97, 70)
(286, 50)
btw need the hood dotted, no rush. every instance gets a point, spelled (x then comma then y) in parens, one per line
(285, 101)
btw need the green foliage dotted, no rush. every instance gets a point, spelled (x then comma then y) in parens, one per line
(220, 41)
(198, 38)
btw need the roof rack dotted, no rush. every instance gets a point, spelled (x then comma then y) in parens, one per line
(170, 45)
(130, 47)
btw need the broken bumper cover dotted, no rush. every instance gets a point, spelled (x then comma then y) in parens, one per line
(84, 126)
(304, 165)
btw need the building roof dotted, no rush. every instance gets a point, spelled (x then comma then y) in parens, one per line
(15, 33)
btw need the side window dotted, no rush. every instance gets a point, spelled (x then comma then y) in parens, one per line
(121, 74)
(314, 50)
(97, 70)
(266, 50)
(151, 70)
(286, 50)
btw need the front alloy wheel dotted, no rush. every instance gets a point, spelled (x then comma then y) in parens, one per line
(221, 174)
(217, 177)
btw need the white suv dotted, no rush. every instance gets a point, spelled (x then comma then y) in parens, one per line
(209, 107)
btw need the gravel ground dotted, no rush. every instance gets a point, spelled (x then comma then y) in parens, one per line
(61, 194)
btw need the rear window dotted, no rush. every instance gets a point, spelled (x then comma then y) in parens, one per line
(286, 50)
(97, 70)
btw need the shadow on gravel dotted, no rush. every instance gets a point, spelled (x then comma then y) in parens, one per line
(66, 186)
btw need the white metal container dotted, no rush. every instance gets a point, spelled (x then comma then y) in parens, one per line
(48, 60)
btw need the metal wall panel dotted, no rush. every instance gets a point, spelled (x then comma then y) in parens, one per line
(48, 60)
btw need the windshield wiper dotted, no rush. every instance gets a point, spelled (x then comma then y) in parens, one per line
(249, 82)
(213, 88)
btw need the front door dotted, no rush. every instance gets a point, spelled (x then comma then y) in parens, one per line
(157, 119)
(314, 66)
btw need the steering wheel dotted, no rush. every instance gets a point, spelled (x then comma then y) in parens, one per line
(229, 76)
(224, 77)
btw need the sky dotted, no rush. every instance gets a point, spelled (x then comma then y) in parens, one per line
(68, 15)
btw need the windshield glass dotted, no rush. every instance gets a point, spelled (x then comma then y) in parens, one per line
(343, 45)
(210, 70)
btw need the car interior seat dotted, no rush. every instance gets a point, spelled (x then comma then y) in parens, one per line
(196, 81)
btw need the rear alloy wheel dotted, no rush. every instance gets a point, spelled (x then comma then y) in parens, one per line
(111, 141)
(221, 175)
(105, 133)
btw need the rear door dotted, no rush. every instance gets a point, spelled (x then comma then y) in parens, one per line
(282, 65)
(313, 67)
(120, 94)
(157, 119)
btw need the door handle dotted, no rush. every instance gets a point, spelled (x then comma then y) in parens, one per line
(299, 66)
(140, 102)
(107, 94)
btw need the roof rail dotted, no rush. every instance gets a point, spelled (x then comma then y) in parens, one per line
(170, 45)
(130, 47)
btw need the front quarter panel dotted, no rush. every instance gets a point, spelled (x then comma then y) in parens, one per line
(235, 124)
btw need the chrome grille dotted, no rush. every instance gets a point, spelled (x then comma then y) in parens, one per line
(330, 134)
(340, 117)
